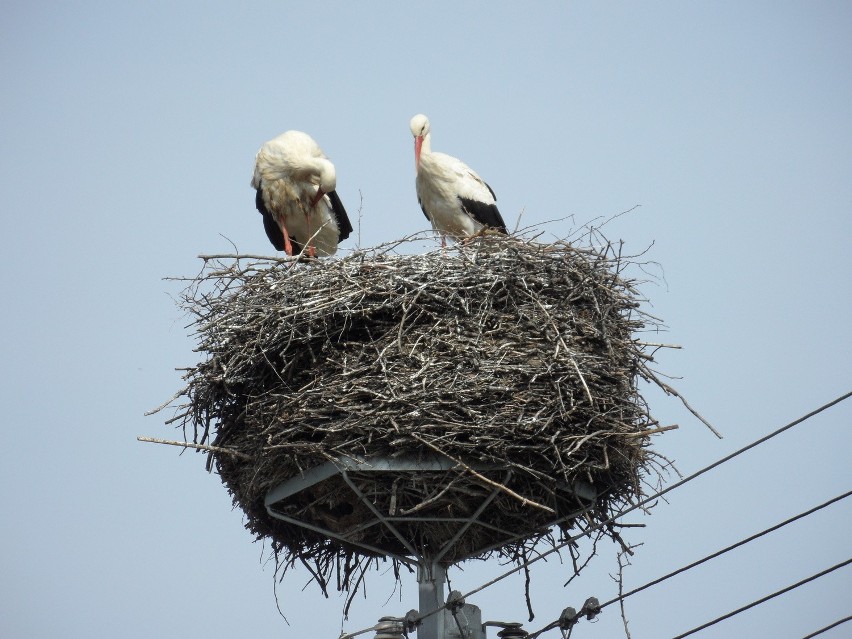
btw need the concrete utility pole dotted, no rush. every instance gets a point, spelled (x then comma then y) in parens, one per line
(455, 619)
(430, 582)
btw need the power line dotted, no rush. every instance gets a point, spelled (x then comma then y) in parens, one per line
(642, 503)
(729, 548)
(653, 497)
(764, 599)
(718, 553)
(829, 627)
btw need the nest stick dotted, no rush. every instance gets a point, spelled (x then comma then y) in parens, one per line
(671, 391)
(212, 449)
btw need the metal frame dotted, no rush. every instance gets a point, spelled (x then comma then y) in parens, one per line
(431, 571)
(345, 464)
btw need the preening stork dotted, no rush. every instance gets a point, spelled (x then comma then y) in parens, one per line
(296, 195)
(453, 197)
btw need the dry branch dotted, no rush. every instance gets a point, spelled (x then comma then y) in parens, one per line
(212, 449)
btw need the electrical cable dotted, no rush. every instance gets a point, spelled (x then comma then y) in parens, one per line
(639, 504)
(718, 553)
(729, 548)
(764, 599)
(829, 627)
(651, 498)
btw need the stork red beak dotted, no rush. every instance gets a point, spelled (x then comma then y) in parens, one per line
(317, 197)
(418, 142)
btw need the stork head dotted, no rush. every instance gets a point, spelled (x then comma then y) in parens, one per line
(419, 126)
(327, 179)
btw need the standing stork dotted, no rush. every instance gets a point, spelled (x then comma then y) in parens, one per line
(453, 197)
(296, 195)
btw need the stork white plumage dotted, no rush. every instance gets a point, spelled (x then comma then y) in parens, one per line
(296, 195)
(453, 197)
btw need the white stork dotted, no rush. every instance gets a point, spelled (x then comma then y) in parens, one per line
(453, 197)
(295, 185)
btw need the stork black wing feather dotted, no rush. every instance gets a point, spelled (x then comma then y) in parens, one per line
(490, 190)
(420, 202)
(487, 214)
(343, 224)
(273, 232)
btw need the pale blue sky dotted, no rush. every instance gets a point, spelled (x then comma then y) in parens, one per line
(127, 138)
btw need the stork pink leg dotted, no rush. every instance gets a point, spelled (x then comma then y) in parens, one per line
(288, 246)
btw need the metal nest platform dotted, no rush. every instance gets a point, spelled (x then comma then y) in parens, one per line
(423, 510)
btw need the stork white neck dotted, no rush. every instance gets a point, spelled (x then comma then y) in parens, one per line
(319, 171)
(419, 126)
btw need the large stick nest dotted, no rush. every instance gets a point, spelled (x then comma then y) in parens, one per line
(503, 355)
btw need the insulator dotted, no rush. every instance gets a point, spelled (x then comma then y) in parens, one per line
(454, 601)
(389, 628)
(412, 620)
(568, 618)
(591, 608)
(512, 631)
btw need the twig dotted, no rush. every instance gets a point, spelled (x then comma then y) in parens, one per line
(652, 431)
(671, 391)
(212, 449)
(621, 591)
(659, 345)
(182, 391)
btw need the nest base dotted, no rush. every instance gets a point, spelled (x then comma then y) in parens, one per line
(378, 505)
